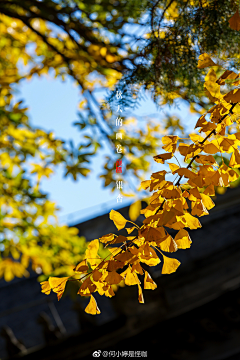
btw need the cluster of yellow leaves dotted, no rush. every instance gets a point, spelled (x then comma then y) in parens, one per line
(9, 269)
(173, 204)
(55, 53)
(28, 153)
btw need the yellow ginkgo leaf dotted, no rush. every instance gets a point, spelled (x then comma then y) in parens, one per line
(91, 252)
(168, 245)
(87, 287)
(46, 288)
(185, 172)
(130, 230)
(173, 167)
(207, 201)
(227, 75)
(151, 261)
(145, 184)
(114, 265)
(232, 175)
(192, 222)
(131, 278)
(235, 159)
(106, 238)
(58, 285)
(195, 137)
(137, 268)
(211, 85)
(161, 158)
(81, 267)
(169, 265)
(211, 148)
(113, 278)
(118, 219)
(148, 282)
(210, 190)
(170, 143)
(205, 61)
(92, 307)
(233, 96)
(206, 159)
(183, 239)
(96, 275)
(134, 210)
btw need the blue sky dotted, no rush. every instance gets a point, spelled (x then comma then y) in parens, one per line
(53, 105)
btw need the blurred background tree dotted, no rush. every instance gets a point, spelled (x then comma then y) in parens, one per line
(95, 43)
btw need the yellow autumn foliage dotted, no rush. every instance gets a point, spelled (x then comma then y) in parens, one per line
(168, 206)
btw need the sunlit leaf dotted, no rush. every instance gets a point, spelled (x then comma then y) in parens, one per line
(58, 285)
(183, 239)
(46, 288)
(118, 219)
(134, 210)
(170, 265)
(92, 307)
(205, 61)
(92, 252)
(148, 282)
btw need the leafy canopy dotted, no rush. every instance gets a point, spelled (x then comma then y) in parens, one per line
(175, 205)
(91, 42)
